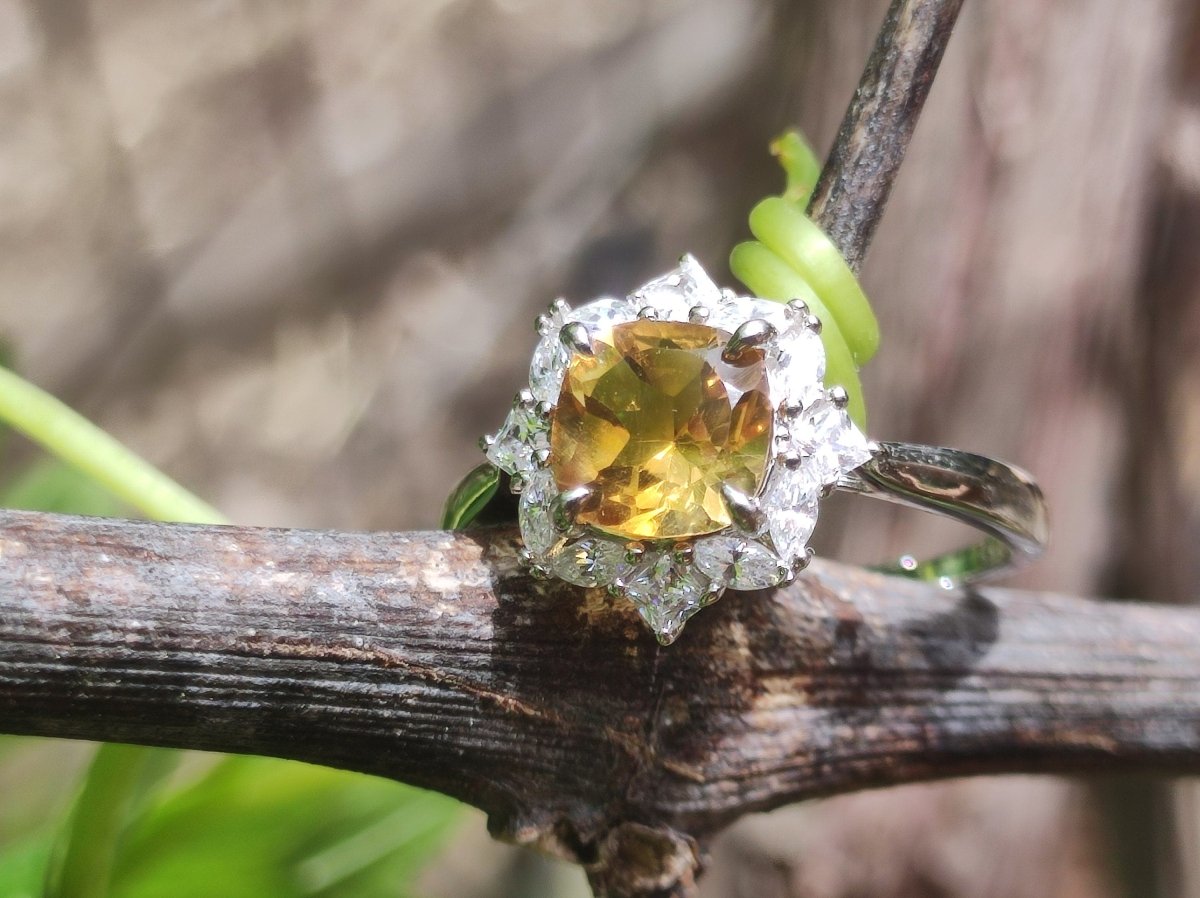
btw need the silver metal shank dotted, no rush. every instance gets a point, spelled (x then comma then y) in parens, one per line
(1001, 500)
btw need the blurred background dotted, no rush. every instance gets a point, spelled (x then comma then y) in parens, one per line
(291, 252)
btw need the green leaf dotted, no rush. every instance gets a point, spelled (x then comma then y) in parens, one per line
(770, 277)
(50, 485)
(470, 496)
(23, 866)
(259, 828)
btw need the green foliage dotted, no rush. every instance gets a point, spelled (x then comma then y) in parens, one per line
(256, 828)
(246, 828)
(470, 497)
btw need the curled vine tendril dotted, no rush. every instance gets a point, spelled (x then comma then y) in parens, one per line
(792, 258)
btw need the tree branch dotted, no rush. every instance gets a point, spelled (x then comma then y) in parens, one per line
(857, 178)
(429, 657)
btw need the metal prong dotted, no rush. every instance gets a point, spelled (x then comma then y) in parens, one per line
(516, 483)
(813, 323)
(543, 324)
(791, 459)
(525, 400)
(797, 308)
(487, 441)
(803, 561)
(567, 505)
(743, 510)
(648, 313)
(561, 306)
(542, 457)
(749, 336)
(634, 550)
(682, 553)
(575, 337)
(544, 409)
(838, 396)
(698, 314)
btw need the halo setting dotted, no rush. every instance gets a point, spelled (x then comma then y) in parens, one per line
(675, 443)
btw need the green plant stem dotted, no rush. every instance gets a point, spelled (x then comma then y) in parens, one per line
(86, 853)
(65, 433)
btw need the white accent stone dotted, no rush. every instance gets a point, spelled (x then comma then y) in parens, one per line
(666, 593)
(590, 561)
(796, 364)
(827, 440)
(675, 293)
(518, 442)
(535, 514)
(738, 562)
(790, 502)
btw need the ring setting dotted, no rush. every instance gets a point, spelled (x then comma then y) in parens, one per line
(677, 442)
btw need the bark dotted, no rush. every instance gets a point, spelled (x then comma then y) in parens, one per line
(430, 658)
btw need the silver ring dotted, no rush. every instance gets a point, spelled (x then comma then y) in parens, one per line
(677, 442)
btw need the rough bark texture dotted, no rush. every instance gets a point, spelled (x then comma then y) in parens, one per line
(430, 658)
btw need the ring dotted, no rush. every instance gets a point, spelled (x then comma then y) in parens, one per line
(677, 442)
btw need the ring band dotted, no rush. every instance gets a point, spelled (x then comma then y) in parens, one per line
(997, 498)
(677, 442)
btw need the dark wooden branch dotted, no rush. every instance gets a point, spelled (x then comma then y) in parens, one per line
(428, 657)
(857, 178)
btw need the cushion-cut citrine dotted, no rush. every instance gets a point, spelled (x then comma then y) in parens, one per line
(653, 422)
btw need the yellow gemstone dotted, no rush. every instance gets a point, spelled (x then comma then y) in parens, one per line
(653, 423)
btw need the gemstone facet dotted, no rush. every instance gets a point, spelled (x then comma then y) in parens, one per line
(653, 423)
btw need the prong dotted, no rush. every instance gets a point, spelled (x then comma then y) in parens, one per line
(543, 324)
(813, 323)
(743, 509)
(487, 441)
(560, 306)
(516, 483)
(575, 337)
(682, 553)
(838, 396)
(790, 459)
(648, 313)
(634, 550)
(797, 308)
(542, 457)
(698, 314)
(749, 336)
(803, 561)
(567, 505)
(544, 409)
(525, 400)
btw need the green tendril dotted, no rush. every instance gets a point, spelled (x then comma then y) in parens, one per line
(793, 258)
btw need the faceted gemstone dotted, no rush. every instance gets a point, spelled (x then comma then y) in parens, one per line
(535, 513)
(653, 422)
(738, 562)
(666, 593)
(590, 561)
(516, 445)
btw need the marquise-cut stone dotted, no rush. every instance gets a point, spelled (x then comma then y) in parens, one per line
(653, 423)
(738, 562)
